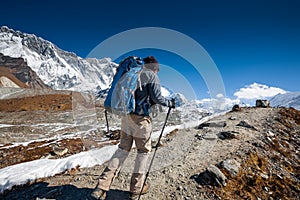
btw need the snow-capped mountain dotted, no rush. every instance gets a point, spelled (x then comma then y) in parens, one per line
(180, 99)
(166, 91)
(289, 99)
(57, 68)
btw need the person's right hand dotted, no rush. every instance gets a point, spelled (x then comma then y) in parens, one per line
(173, 103)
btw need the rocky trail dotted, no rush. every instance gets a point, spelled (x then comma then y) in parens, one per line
(250, 153)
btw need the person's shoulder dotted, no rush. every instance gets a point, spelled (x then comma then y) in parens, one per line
(147, 71)
(149, 75)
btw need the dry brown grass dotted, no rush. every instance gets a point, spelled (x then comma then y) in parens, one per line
(36, 150)
(46, 102)
(273, 170)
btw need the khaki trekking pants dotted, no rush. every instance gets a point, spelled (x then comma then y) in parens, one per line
(134, 128)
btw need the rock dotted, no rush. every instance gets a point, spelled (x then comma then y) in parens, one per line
(60, 151)
(180, 188)
(246, 125)
(270, 134)
(220, 123)
(231, 165)
(113, 135)
(210, 136)
(227, 135)
(212, 176)
(217, 174)
(264, 176)
(160, 144)
(232, 118)
(262, 103)
(236, 108)
(199, 136)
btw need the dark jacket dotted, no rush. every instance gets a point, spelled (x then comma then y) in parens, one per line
(148, 93)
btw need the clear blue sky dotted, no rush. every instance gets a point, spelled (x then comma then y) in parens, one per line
(249, 41)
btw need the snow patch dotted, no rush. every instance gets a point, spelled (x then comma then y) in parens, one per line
(22, 173)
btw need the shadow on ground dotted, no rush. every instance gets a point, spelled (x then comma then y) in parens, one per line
(65, 192)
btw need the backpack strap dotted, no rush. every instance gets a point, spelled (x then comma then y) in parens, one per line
(140, 81)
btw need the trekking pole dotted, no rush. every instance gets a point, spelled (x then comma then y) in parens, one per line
(107, 126)
(156, 147)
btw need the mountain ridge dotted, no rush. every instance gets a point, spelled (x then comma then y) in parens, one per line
(62, 70)
(57, 68)
(289, 99)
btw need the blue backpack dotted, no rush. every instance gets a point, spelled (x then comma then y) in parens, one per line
(120, 98)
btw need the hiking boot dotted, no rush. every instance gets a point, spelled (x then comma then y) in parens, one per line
(99, 194)
(135, 195)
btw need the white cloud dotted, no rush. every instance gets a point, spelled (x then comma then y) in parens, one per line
(258, 91)
(220, 96)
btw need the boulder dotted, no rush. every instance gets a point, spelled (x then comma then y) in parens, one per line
(217, 175)
(227, 135)
(262, 103)
(212, 176)
(246, 125)
(236, 107)
(219, 123)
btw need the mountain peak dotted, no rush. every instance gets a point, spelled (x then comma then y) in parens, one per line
(289, 99)
(57, 68)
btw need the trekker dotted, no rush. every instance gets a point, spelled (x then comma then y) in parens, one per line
(137, 127)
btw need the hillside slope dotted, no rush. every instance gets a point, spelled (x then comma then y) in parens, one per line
(256, 150)
(18, 73)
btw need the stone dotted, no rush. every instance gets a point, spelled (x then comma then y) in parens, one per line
(227, 135)
(264, 176)
(210, 136)
(217, 174)
(246, 125)
(217, 124)
(262, 103)
(236, 108)
(270, 134)
(232, 166)
(232, 118)
(212, 176)
(60, 151)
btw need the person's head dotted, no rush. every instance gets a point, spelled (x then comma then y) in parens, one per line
(150, 62)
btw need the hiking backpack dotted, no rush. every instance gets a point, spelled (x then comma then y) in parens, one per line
(120, 98)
